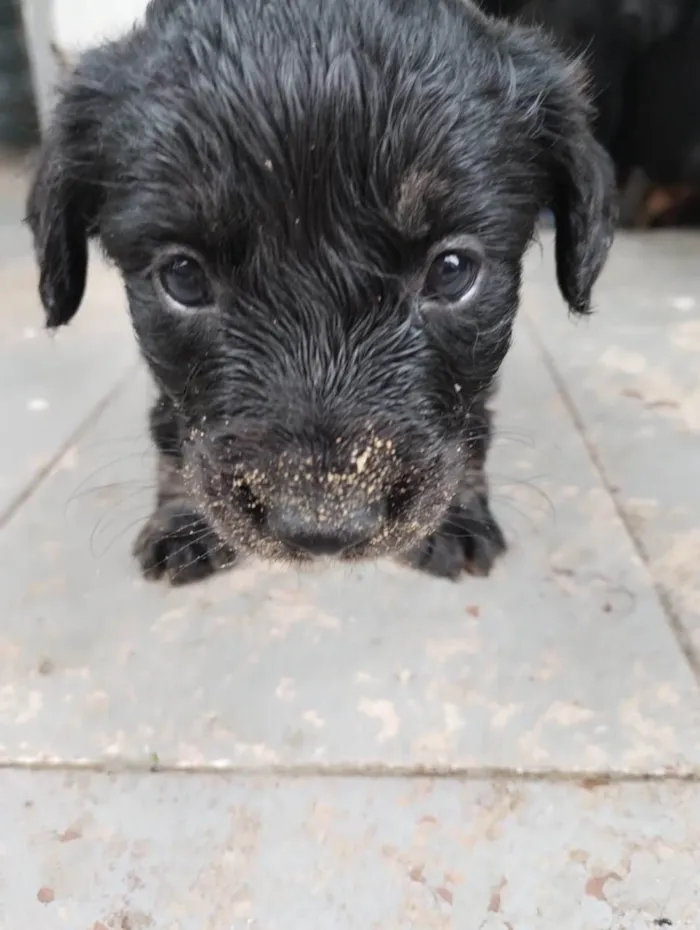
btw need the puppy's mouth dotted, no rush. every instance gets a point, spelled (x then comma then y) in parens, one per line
(291, 553)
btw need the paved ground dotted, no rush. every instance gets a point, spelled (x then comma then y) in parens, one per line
(370, 750)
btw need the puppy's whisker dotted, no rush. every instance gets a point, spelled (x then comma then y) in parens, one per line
(529, 519)
(192, 375)
(497, 483)
(142, 488)
(454, 531)
(507, 437)
(192, 541)
(105, 523)
(84, 485)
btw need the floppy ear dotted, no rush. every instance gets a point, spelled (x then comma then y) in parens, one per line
(584, 203)
(62, 207)
(578, 175)
(56, 220)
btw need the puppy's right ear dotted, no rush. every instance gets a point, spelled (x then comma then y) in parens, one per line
(61, 211)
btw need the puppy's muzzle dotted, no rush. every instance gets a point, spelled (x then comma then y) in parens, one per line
(312, 498)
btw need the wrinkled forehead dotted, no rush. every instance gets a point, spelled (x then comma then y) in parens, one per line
(298, 159)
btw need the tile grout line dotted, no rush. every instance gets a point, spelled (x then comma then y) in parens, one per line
(680, 634)
(587, 780)
(45, 470)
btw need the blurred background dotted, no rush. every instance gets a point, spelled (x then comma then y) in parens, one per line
(643, 62)
(39, 39)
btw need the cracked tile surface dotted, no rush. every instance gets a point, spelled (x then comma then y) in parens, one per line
(633, 376)
(175, 853)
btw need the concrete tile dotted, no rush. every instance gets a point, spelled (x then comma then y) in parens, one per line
(633, 374)
(562, 660)
(49, 384)
(220, 853)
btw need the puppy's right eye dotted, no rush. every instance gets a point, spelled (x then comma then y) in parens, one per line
(452, 276)
(185, 283)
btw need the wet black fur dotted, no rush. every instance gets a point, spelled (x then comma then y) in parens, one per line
(314, 153)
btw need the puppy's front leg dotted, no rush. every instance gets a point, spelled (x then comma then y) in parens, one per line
(176, 542)
(469, 538)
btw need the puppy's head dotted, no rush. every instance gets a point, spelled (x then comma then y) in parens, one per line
(319, 210)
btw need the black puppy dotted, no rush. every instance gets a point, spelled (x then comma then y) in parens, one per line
(319, 209)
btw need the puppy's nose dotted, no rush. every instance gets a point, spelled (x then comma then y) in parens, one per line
(331, 537)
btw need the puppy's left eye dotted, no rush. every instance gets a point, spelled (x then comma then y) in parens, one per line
(452, 276)
(185, 283)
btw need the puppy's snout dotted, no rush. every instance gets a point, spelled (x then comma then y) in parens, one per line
(330, 535)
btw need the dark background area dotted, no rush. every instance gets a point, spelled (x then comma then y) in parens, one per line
(643, 61)
(18, 117)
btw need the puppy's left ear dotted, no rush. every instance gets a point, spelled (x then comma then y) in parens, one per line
(584, 203)
(579, 184)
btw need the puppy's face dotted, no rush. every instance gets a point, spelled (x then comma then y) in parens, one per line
(319, 211)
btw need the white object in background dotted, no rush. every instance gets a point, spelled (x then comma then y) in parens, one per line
(82, 24)
(70, 27)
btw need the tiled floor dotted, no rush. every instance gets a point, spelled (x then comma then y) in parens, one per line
(369, 750)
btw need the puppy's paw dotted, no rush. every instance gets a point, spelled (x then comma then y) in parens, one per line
(469, 540)
(178, 544)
